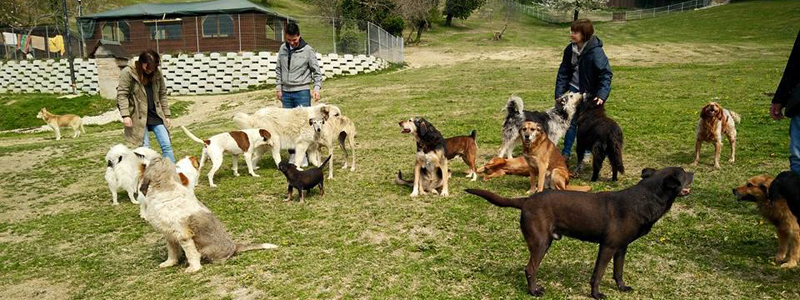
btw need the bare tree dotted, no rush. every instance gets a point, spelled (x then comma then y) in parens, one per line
(574, 5)
(417, 14)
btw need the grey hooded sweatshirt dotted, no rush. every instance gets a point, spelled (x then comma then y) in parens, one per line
(297, 68)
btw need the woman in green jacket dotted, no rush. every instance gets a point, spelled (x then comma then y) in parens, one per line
(142, 103)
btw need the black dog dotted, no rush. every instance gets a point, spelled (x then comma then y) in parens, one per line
(303, 181)
(602, 135)
(787, 185)
(612, 219)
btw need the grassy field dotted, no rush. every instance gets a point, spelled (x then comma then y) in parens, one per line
(61, 238)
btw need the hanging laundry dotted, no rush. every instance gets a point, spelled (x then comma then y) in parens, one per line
(38, 42)
(56, 44)
(10, 38)
(24, 44)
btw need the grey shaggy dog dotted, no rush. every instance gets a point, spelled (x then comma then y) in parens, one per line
(555, 121)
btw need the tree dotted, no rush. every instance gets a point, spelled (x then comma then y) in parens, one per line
(418, 15)
(574, 5)
(460, 9)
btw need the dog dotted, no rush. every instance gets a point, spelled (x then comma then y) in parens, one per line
(186, 223)
(431, 149)
(546, 163)
(57, 121)
(714, 122)
(290, 129)
(499, 166)
(467, 148)
(303, 180)
(188, 169)
(236, 142)
(612, 219)
(429, 181)
(757, 190)
(555, 121)
(603, 136)
(124, 168)
(786, 186)
(341, 128)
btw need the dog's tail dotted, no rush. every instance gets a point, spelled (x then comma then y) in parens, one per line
(248, 247)
(342, 137)
(497, 199)
(322, 166)
(578, 188)
(399, 180)
(242, 121)
(514, 105)
(474, 135)
(615, 150)
(736, 117)
(192, 136)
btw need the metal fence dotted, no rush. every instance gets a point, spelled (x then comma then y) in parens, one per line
(217, 33)
(551, 16)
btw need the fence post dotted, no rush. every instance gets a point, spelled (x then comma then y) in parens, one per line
(369, 39)
(158, 49)
(333, 22)
(197, 33)
(47, 40)
(239, 21)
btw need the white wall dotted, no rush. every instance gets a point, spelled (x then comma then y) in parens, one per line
(186, 74)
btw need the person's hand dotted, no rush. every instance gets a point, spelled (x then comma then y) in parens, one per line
(315, 95)
(168, 123)
(598, 100)
(775, 111)
(279, 95)
(127, 122)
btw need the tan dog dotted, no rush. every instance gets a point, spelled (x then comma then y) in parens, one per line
(187, 224)
(545, 160)
(714, 122)
(778, 214)
(466, 147)
(499, 166)
(56, 122)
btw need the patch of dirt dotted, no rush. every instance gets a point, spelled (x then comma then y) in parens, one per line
(21, 161)
(373, 237)
(417, 57)
(37, 288)
(10, 237)
(227, 287)
(224, 105)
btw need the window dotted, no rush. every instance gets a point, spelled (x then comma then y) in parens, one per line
(218, 26)
(118, 31)
(166, 30)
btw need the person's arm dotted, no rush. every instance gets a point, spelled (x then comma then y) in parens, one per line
(564, 73)
(791, 75)
(123, 94)
(162, 96)
(316, 73)
(604, 75)
(278, 82)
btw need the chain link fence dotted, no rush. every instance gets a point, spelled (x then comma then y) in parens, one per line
(551, 16)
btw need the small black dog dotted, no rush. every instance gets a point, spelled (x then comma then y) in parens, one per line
(787, 185)
(303, 181)
(601, 135)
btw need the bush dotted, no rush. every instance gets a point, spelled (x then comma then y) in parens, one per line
(394, 25)
(349, 43)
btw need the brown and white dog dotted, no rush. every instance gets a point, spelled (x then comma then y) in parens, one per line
(236, 142)
(173, 210)
(499, 166)
(430, 157)
(757, 190)
(714, 122)
(57, 121)
(465, 146)
(546, 162)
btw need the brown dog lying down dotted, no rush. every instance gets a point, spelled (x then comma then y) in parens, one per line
(778, 213)
(546, 162)
(499, 166)
(466, 147)
(611, 219)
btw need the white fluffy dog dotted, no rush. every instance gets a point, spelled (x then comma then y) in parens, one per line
(339, 128)
(289, 128)
(188, 169)
(187, 224)
(124, 168)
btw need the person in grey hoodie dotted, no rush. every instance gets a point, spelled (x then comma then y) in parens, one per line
(585, 69)
(296, 69)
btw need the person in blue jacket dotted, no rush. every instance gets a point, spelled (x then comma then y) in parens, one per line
(585, 69)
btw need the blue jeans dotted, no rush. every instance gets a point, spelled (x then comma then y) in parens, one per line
(162, 136)
(794, 145)
(572, 132)
(296, 99)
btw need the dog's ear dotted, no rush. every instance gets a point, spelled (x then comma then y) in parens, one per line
(144, 186)
(422, 127)
(647, 172)
(672, 182)
(194, 161)
(265, 134)
(310, 122)
(764, 189)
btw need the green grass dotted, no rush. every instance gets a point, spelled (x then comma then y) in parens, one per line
(20, 110)
(368, 239)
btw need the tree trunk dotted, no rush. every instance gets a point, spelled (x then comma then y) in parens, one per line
(449, 20)
(420, 27)
(575, 15)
